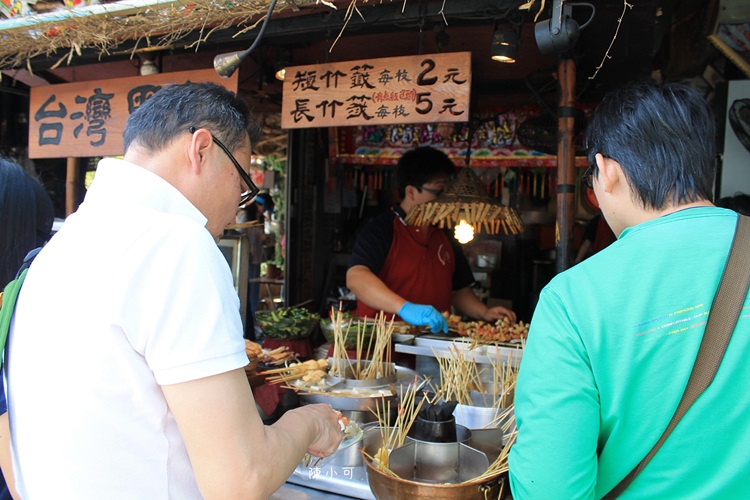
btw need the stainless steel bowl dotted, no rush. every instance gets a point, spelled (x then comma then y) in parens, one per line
(437, 463)
(346, 401)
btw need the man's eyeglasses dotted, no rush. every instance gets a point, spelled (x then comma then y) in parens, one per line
(252, 189)
(434, 192)
(587, 177)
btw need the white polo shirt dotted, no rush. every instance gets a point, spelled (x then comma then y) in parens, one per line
(131, 294)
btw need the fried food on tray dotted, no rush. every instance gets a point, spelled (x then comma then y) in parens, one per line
(501, 330)
(252, 349)
(297, 371)
(255, 353)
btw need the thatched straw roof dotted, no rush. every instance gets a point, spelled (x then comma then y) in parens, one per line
(65, 32)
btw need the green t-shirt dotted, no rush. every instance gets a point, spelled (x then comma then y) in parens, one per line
(611, 346)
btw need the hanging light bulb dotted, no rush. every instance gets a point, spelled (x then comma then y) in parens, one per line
(463, 232)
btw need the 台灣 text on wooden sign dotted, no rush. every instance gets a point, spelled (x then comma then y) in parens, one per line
(409, 89)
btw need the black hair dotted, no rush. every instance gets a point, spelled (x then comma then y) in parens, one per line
(740, 203)
(175, 108)
(419, 166)
(27, 214)
(663, 136)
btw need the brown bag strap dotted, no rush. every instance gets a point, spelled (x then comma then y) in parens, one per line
(722, 319)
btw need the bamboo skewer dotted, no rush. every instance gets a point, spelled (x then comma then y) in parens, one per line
(378, 349)
(393, 434)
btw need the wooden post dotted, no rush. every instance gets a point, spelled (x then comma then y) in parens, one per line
(566, 188)
(71, 186)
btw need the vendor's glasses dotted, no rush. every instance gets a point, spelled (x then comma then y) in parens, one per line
(252, 189)
(434, 192)
(587, 177)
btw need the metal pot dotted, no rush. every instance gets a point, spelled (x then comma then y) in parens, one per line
(386, 487)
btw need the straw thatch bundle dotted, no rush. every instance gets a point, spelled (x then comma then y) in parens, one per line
(66, 32)
(65, 35)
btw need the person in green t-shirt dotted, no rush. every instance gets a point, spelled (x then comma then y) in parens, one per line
(613, 340)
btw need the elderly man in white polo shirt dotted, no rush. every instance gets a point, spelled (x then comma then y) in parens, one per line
(125, 371)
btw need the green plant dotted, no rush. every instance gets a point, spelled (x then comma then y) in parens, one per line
(277, 164)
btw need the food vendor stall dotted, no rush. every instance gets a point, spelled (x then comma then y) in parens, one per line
(469, 390)
(341, 161)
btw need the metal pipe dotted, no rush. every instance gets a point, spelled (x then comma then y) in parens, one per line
(226, 64)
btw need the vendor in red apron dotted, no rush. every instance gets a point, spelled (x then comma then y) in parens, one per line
(415, 272)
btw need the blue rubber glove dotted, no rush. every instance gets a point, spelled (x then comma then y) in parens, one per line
(421, 315)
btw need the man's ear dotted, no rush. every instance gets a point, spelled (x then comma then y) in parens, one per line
(198, 148)
(410, 192)
(610, 173)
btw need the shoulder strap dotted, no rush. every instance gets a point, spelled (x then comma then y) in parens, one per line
(725, 311)
(9, 296)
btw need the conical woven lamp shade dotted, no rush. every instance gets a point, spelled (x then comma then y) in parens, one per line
(466, 199)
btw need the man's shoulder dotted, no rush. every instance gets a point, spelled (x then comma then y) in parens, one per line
(386, 216)
(379, 224)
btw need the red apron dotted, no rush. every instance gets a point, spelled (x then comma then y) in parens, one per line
(420, 272)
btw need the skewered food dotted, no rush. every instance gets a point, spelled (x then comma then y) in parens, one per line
(501, 330)
(312, 369)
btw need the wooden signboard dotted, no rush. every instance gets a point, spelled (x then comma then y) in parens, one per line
(411, 89)
(87, 119)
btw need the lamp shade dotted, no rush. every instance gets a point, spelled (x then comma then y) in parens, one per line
(559, 33)
(467, 200)
(505, 45)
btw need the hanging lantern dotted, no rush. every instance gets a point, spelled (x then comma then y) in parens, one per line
(466, 201)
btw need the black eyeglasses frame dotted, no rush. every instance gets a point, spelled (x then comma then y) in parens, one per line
(434, 192)
(588, 177)
(252, 189)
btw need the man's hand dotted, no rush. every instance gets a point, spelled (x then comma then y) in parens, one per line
(421, 315)
(492, 314)
(329, 434)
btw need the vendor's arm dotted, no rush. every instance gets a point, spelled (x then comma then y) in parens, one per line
(557, 411)
(232, 453)
(371, 290)
(466, 302)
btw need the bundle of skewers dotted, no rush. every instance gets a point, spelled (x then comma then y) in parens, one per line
(319, 376)
(298, 375)
(393, 432)
(500, 464)
(461, 379)
(504, 376)
(378, 349)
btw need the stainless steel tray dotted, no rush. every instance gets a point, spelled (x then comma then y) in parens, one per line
(346, 399)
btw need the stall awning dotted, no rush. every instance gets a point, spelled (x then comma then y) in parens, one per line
(66, 32)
